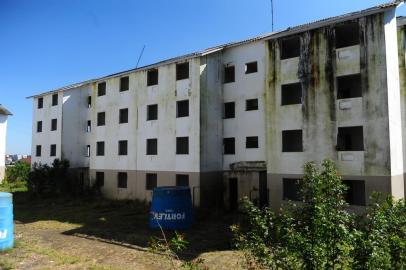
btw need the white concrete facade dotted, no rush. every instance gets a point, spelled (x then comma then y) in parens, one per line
(258, 164)
(4, 113)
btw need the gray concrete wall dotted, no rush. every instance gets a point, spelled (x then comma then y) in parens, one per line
(211, 113)
(136, 183)
(2, 173)
(402, 78)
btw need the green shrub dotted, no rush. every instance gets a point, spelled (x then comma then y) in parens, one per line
(319, 232)
(382, 241)
(17, 172)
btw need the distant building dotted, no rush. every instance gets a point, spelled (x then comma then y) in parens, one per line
(26, 159)
(241, 119)
(4, 113)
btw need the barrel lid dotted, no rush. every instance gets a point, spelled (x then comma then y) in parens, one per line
(171, 188)
(6, 195)
(6, 198)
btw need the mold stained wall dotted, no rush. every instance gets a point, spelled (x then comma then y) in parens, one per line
(3, 134)
(246, 86)
(319, 115)
(46, 137)
(315, 116)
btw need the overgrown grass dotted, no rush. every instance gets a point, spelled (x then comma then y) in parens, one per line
(6, 264)
(20, 186)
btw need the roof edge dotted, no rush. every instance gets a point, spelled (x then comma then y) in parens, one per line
(4, 111)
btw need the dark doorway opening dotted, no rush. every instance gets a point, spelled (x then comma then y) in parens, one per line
(233, 198)
(263, 189)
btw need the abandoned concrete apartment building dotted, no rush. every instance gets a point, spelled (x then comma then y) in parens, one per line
(242, 118)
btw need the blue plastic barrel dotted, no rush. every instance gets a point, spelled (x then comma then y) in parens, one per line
(171, 208)
(6, 221)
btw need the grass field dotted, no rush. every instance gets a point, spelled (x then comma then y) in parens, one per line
(68, 233)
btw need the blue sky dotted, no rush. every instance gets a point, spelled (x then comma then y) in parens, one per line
(45, 44)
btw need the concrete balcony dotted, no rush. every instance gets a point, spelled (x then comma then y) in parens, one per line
(348, 60)
(349, 111)
(350, 162)
(288, 70)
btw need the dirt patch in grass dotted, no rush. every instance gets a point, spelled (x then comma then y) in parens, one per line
(100, 234)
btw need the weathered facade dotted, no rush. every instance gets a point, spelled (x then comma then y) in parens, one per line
(4, 113)
(241, 119)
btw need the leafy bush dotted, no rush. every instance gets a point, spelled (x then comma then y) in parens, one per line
(55, 179)
(17, 172)
(13, 187)
(382, 241)
(319, 232)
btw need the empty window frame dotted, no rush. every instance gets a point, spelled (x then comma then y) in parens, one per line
(291, 189)
(123, 116)
(291, 94)
(99, 179)
(122, 148)
(182, 145)
(350, 138)
(229, 110)
(229, 146)
(349, 86)
(182, 71)
(39, 126)
(89, 102)
(355, 193)
(229, 74)
(182, 180)
(292, 140)
(101, 89)
(124, 83)
(54, 124)
(54, 99)
(52, 151)
(122, 180)
(347, 35)
(40, 104)
(182, 108)
(151, 181)
(101, 119)
(290, 47)
(38, 150)
(152, 146)
(152, 112)
(89, 126)
(87, 151)
(251, 142)
(152, 77)
(251, 67)
(251, 104)
(99, 148)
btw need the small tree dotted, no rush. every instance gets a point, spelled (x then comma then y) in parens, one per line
(316, 233)
(325, 225)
